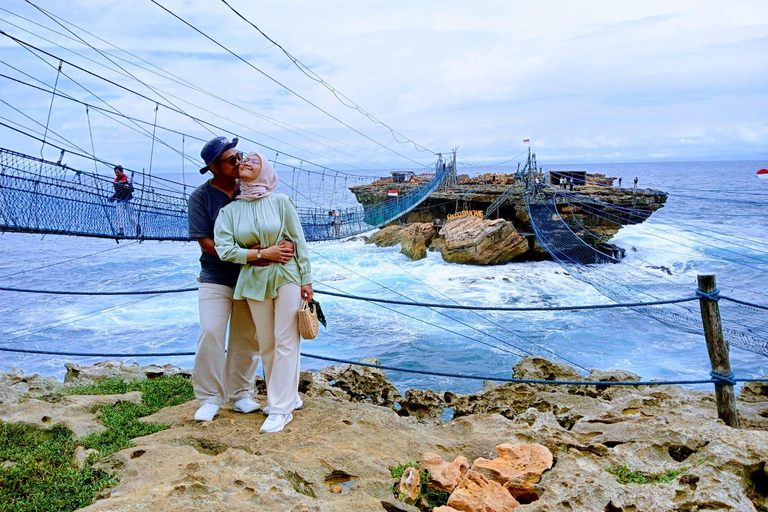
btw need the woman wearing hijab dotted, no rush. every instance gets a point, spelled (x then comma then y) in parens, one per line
(274, 293)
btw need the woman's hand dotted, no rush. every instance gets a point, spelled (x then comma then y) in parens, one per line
(306, 292)
(278, 253)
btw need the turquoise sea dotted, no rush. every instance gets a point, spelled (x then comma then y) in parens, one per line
(714, 221)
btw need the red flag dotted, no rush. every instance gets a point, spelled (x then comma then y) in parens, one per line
(526, 140)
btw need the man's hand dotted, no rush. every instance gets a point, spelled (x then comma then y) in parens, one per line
(287, 244)
(279, 253)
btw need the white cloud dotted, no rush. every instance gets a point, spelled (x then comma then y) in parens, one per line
(587, 81)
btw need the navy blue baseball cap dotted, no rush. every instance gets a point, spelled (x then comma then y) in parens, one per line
(213, 150)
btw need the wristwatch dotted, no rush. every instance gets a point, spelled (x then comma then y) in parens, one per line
(258, 254)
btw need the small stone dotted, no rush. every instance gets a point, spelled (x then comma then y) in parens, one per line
(443, 475)
(81, 454)
(7, 464)
(475, 493)
(410, 484)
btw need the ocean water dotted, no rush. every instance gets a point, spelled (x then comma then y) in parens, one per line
(714, 221)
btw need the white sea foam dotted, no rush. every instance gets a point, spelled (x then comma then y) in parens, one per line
(442, 340)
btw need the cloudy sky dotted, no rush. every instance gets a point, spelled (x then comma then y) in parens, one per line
(590, 81)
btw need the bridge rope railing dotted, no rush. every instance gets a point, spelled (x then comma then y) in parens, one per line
(40, 196)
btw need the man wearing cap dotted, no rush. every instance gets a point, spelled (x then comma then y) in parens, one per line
(222, 371)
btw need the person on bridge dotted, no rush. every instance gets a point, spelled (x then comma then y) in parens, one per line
(223, 371)
(122, 197)
(274, 293)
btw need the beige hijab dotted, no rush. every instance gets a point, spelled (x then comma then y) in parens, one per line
(263, 185)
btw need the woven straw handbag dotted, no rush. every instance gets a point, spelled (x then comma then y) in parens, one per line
(308, 323)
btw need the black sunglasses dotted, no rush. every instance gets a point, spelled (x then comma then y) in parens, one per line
(237, 157)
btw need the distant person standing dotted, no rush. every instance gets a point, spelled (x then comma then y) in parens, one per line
(635, 182)
(570, 184)
(619, 182)
(336, 223)
(122, 197)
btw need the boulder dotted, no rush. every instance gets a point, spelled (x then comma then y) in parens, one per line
(475, 493)
(444, 475)
(518, 468)
(480, 241)
(386, 236)
(414, 248)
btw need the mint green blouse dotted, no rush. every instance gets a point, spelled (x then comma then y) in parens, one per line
(242, 224)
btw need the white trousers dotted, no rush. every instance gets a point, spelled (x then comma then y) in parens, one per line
(126, 216)
(222, 372)
(278, 330)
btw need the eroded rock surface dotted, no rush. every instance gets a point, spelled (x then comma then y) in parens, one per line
(480, 241)
(336, 454)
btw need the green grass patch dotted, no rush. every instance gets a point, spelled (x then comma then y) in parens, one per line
(43, 476)
(625, 476)
(122, 418)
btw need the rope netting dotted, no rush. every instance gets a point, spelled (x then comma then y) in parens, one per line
(599, 266)
(39, 196)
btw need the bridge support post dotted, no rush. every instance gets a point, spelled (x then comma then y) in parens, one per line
(718, 350)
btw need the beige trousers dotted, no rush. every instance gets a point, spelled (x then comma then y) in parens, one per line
(278, 329)
(222, 372)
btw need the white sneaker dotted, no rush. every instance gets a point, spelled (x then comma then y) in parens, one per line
(206, 412)
(298, 404)
(275, 423)
(246, 405)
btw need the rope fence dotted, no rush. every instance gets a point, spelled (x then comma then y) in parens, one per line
(699, 295)
(715, 378)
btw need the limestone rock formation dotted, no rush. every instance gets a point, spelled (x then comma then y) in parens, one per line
(14, 385)
(518, 468)
(414, 238)
(480, 241)
(81, 375)
(362, 384)
(475, 493)
(386, 236)
(334, 441)
(74, 412)
(444, 475)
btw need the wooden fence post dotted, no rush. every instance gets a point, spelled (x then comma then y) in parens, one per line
(718, 351)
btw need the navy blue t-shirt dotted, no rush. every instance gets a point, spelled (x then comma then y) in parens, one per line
(204, 205)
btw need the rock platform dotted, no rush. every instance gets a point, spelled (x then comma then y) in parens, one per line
(337, 453)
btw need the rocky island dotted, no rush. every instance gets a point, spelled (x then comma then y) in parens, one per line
(506, 234)
(360, 444)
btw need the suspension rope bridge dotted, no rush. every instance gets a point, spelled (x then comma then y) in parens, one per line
(40, 196)
(563, 236)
